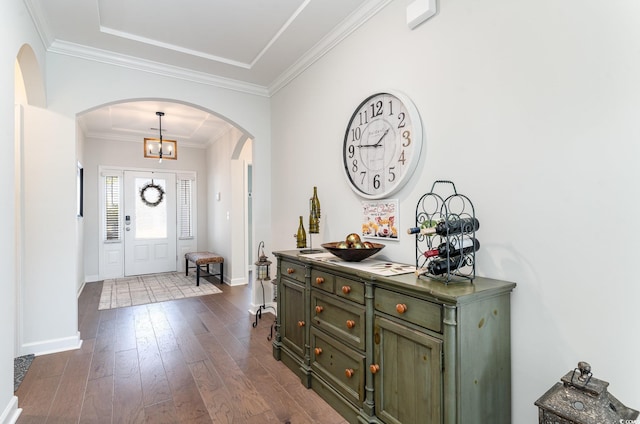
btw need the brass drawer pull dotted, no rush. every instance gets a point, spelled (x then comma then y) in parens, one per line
(401, 308)
(290, 270)
(349, 372)
(374, 368)
(346, 289)
(319, 280)
(300, 323)
(317, 351)
(319, 309)
(351, 323)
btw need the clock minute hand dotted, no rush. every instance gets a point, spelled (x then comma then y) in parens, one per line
(378, 143)
(383, 136)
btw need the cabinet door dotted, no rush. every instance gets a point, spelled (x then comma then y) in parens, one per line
(407, 374)
(292, 325)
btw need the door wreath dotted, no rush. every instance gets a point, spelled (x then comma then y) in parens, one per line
(150, 199)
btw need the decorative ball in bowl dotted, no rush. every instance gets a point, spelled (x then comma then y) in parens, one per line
(353, 254)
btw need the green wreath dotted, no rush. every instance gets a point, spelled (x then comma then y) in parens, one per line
(157, 188)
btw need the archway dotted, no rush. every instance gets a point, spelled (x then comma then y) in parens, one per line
(218, 193)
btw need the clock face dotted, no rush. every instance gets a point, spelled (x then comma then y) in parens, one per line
(382, 145)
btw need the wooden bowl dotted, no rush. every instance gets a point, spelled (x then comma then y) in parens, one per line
(353, 254)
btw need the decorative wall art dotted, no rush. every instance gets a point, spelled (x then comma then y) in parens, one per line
(380, 219)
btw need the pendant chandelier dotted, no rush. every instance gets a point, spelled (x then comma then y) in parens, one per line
(157, 148)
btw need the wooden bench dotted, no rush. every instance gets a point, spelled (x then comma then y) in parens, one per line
(204, 258)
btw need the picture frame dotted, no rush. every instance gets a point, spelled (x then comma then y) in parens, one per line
(79, 190)
(380, 219)
(152, 148)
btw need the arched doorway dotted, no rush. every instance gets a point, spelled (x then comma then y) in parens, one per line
(212, 145)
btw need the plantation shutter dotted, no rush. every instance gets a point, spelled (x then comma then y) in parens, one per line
(112, 208)
(185, 213)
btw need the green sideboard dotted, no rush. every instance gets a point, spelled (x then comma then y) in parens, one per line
(397, 349)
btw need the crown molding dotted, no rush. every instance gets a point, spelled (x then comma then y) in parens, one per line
(335, 37)
(40, 22)
(126, 138)
(131, 62)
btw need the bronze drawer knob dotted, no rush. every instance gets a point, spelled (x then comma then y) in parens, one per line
(319, 309)
(346, 289)
(300, 323)
(290, 270)
(374, 368)
(349, 372)
(401, 308)
(351, 323)
(319, 280)
(317, 351)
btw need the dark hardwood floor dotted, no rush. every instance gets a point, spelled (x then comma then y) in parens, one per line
(196, 360)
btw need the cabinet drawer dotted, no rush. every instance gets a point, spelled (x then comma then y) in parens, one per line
(342, 367)
(417, 311)
(350, 289)
(292, 270)
(344, 320)
(322, 280)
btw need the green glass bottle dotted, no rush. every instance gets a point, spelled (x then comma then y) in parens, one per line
(301, 236)
(315, 201)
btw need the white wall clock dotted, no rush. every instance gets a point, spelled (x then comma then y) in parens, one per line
(382, 144)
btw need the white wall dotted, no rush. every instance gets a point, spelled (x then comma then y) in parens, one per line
(226, 232)
(531, 108)
(49, 315)
(16, 29)
(129, 155)
(75, 85)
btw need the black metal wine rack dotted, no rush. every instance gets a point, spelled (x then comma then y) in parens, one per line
(457, 264)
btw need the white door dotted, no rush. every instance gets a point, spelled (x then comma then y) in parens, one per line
(150, 222)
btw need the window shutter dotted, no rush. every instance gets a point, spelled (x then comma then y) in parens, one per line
(185, 220)
(112, 208)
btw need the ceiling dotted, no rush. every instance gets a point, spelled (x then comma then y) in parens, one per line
(250, 45)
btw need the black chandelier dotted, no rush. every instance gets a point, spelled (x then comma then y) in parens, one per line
(158, 148)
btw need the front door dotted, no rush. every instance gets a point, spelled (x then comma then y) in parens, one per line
(150, 222)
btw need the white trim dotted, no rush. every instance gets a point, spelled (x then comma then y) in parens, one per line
(11, 412)
(53, 346)
(240, 281)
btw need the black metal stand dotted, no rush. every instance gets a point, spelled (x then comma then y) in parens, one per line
(261, 308)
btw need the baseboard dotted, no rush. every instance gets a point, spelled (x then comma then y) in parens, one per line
(92, 278)
(253, 309)
(80, 290)
(52, 346)
(237, 282)
(11, 412)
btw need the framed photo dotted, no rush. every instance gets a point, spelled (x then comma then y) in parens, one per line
(380, 219)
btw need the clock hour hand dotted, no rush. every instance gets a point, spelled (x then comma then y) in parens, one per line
(378, 143)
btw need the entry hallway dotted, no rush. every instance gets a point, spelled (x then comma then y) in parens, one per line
(196, 360)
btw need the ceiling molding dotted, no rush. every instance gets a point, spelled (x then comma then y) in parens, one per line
(339, 33)
(125, 138)
(342, 31)
(131, 62)
(40, 22)
(175, 48)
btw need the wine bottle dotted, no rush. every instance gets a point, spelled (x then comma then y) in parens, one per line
(457, 226)
(442, 266)
(315, 201)
(314, 223)
(301, 237)
(454, 247)
(428, 223)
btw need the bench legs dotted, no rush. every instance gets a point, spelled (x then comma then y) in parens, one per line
(220, 273)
